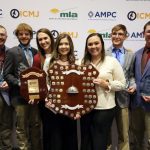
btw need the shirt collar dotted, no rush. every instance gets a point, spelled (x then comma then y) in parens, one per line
(120, 49)
(3, 48)
(25, 48)
(147, 49)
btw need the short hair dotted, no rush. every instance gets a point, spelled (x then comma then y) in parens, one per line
(147, 24)
(24, 26)
(3, 28)
(120, 27)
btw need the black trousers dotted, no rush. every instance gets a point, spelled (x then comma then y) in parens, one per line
(59, 131)
(95, 128)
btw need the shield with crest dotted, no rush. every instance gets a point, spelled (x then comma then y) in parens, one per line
(72, 89)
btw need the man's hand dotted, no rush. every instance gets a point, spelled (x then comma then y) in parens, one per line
(4, 86)
(146, 98)
(131, 90)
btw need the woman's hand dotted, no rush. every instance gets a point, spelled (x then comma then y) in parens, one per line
(48, 103)
(32, 101)
(102, 83)
(78, 116)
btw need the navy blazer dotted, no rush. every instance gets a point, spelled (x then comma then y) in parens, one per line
(14, 57)
(140, 78)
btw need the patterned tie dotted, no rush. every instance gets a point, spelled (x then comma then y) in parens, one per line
(29, 57)
(117, 52)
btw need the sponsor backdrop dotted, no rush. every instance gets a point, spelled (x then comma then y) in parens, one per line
(78, 18)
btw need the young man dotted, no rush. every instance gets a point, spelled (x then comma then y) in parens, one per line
(28, 125)
(140, 116)
(126, 59)
(5, 108)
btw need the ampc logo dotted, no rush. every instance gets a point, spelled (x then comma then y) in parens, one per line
(15, 13)
(63, 14)
(132, 15)
(135, 36)
(102, 15)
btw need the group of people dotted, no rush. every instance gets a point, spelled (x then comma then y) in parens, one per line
(122, 75)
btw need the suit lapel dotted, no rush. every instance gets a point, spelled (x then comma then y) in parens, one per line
(146, 68)
(126, 59)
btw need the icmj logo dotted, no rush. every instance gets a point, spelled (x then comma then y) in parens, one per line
(102, 14)
(1, 12)
(132, 15)
(67, 13)
(72, 34)
(15, 13)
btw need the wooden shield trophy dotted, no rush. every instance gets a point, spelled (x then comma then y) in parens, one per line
(33, 84)
(72, 89)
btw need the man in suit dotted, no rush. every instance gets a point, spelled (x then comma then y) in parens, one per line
(5, 108)
(126, 59)
(18, 58)
(140, 116)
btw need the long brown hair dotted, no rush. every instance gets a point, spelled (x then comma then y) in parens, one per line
(41, 50)
(56, 55)
(87, 56)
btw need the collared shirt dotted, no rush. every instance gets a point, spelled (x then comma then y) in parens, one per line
(120, 54)
(145, 58)
(28, 53)
(2, 58)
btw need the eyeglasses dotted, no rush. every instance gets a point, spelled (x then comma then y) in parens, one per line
(119, 34)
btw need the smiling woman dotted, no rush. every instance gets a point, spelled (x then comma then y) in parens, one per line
(62, 129)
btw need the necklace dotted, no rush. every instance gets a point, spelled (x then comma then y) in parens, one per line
(64, 60)
(96, 62)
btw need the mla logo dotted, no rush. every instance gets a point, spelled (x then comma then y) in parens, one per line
(105, 35)
(66, 14)
(15, 13)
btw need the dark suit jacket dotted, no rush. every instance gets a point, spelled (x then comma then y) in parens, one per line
(140, 78)
(122, 97)
(15, 57)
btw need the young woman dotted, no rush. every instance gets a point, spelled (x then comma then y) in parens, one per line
(111, 78)
(63, 129)
(45, 43)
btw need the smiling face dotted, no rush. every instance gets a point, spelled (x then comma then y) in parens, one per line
(118, 37)
(94, 46)
(147, 35)
(64, 47)
(44, 41)
(3, 37)
(24, 37)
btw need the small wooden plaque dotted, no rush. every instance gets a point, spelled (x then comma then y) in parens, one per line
(33, 84)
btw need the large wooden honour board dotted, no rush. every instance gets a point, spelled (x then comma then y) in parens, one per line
(72, 89)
